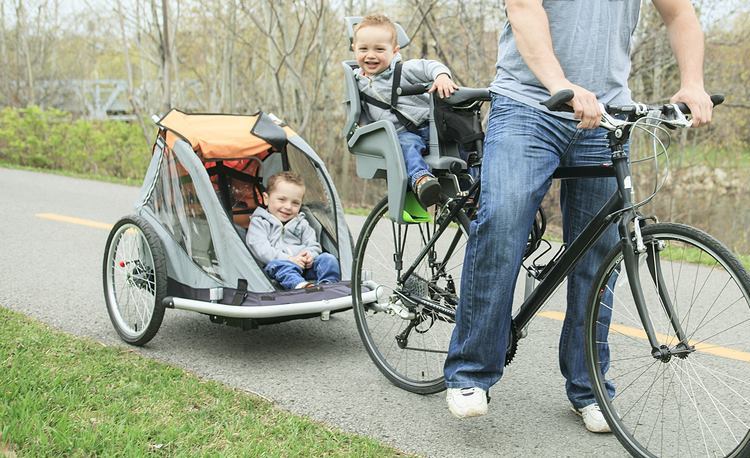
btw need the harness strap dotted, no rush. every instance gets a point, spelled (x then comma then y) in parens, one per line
(396, 84)
(241, 292)
(367, 99)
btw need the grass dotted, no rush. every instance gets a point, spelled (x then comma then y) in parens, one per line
(697, 256)
(61, 395)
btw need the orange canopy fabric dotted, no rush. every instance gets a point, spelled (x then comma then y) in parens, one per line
(216, 136)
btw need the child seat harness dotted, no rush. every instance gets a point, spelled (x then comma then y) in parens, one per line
(452, 124)
(367, 99)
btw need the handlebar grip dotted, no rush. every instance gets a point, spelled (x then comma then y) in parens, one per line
(559, 101)
(413, 89)
(716, 99)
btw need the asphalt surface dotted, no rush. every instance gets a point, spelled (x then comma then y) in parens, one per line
(51, 270)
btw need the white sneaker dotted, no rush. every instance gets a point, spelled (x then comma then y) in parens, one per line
(593, 418)
(467, 402)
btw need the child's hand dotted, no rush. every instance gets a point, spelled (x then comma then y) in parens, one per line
(444, 86)
(307, 258)
(299, 260)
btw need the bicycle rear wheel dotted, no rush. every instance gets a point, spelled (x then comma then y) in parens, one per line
(678, 399)
(407, 331)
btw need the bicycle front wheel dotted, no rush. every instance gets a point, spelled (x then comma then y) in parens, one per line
(689, 395)
(407, 330)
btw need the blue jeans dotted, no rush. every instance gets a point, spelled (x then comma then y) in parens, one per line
(325, 269)
(522, 149)
(412, 146)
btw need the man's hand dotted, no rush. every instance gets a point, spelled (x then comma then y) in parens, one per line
(444, 86)
(698, 101)
(586, 107)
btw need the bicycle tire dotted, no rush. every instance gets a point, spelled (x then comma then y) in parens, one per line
(134, 274)
(414, 363)
(678, 400)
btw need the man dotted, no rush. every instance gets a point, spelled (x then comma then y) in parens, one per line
(548, 46)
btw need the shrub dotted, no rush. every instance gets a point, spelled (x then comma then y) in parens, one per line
(52, 139)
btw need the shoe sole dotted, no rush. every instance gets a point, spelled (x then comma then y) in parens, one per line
(469, 414)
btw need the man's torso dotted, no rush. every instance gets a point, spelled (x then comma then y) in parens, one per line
(591, 40)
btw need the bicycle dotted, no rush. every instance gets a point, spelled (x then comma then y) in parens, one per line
(676, 324)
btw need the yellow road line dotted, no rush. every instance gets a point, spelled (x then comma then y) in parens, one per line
(72, 220)
(703, 347)
(559, 316)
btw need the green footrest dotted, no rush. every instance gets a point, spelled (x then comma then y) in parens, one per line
(413, 210)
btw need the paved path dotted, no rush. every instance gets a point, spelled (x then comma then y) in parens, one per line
(51, 270)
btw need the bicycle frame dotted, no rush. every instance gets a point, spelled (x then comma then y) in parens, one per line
(618, 209)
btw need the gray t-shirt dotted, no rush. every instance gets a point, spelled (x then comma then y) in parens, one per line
(591, 39)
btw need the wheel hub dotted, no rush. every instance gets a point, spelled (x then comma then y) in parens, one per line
(664, 353)
(140, 276)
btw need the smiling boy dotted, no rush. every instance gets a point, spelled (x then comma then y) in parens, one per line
(283, 241)
(377, 54)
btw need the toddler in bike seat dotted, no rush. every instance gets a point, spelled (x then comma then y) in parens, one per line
(380, 71)
(284, 242)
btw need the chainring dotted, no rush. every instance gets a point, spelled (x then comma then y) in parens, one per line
(510, 352)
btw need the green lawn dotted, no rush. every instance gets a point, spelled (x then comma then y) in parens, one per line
(61, 395)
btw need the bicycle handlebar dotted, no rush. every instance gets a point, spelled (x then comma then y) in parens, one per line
(413, 89)
(559, 102)
(462, 94)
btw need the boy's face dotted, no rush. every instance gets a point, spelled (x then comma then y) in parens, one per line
(285, 200)
(373, 48)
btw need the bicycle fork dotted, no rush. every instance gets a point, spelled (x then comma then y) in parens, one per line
(633, 248)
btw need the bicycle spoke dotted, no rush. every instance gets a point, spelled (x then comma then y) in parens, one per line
(416, 363)
(683, 402)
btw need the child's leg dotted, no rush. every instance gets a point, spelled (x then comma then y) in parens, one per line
(412, 146)
(287, 273)
(326, 268)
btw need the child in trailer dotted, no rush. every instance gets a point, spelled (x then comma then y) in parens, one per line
(283, 241)
(377, 54)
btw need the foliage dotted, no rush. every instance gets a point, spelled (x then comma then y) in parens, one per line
(66, 396)
(283, 57)
(52, 139)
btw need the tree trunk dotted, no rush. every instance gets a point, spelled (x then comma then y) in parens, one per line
(165, 59)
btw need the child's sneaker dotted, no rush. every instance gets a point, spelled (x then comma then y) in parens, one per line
(304, 284)
(428, 191)
(467, 402)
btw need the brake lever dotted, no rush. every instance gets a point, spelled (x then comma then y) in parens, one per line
(679, 120)
(608, 121)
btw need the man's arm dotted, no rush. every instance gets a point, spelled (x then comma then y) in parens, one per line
(686, 38)
(531, 30)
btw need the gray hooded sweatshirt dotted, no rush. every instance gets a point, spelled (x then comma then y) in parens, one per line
(271, 240)
(416, 108)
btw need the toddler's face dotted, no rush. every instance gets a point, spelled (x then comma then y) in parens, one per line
(285, 200)
(374, 50)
